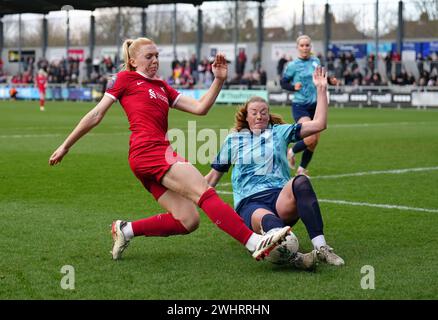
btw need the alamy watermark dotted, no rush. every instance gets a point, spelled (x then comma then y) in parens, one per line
(68, 281)
(243, 147)
(368, 281)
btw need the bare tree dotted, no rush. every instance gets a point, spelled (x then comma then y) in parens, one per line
(428, 6)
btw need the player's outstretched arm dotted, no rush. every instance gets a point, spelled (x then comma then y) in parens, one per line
(203, 105)
(213, 177)
(89, 121)
(319, 122)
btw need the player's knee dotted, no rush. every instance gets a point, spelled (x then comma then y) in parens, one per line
(300, 183)
(312, 142)
(191, 221)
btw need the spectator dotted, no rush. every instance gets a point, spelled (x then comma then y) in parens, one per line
(241, 62)
(280, 66)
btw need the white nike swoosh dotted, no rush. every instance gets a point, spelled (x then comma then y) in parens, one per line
(139, 83)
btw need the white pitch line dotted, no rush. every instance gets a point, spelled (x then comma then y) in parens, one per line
(364, 173)
(347, 125)
(367, 125)
(375, 205)
(362, 204)
(58, 134)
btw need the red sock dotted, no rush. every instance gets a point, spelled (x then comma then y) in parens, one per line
(161, 225)
(41, 102)
(224, 216)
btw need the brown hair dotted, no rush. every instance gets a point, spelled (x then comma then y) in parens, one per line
(240, 117)
(130, 48)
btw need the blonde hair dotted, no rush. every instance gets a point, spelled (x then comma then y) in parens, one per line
(303, 36)
(42, 72)
(241, 114)
(130, 49)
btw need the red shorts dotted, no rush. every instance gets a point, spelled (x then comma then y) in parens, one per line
(42, 90)
(152, 164)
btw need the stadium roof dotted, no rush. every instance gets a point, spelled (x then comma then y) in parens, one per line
(44, 6)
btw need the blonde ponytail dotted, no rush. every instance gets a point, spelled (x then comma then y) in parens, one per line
(125, 48)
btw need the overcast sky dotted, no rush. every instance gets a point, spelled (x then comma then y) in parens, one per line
(285, 12)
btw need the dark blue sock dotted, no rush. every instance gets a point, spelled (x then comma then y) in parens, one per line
(299, 146)
(271, 221)
(305, 159)
(307, 206)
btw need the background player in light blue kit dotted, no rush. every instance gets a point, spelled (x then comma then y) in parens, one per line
(297, 77)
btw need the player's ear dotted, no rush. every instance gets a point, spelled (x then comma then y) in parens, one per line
(132, 62)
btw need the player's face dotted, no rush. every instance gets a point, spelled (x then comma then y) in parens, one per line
(304, 48)
(257, 116)
(146, 60)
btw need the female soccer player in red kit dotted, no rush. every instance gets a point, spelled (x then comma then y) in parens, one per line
(175, 184)
(41, 82)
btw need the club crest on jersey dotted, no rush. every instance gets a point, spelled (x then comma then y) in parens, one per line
(157, 95)
(152, 94)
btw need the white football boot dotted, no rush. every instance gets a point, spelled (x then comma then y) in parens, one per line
(326, 254)
(269, 242)
(305, 261)
(119, 241)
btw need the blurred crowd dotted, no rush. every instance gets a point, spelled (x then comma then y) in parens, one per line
(191, 73)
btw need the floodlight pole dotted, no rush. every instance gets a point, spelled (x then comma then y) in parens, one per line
(199, 35)
(328, 25)
(236, 28)
(45, 36)
(377, 36)
(1, 35)
(303, 20)
(260, 33)
(144, 18)
(174, 32)
(67, 37)
(92, 43)
(19, 44)
(400, 30)
(67, 9)
(118, 27)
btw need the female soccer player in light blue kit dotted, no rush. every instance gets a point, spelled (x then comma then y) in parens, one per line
(264, 194)
(297, 77)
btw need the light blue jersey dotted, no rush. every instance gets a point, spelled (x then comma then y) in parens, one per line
(259, 161)
(301, 70)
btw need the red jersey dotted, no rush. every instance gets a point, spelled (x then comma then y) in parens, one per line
(146, 103)
(41, 81)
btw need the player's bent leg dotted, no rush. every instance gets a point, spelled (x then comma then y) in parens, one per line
(310, 214)
(286, 204)
(182, 209)
(187, 181)
(312, 141)
(184, 179)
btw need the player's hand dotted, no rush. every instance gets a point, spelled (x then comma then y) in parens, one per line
(220, 67)
(320, 77)
(298, 86)
(57, 156)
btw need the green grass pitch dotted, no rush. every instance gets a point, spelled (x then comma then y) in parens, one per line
(57, 216)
